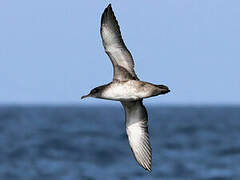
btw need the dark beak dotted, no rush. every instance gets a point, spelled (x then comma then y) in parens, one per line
(85, 96)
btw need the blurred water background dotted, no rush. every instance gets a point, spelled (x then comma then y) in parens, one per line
(88, 143)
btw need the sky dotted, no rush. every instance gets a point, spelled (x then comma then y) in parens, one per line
(51, 51)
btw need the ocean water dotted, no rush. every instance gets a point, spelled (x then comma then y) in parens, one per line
(90, 143)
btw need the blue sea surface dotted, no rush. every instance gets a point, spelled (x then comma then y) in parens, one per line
(90, 143)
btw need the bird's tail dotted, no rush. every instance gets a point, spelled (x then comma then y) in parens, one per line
(164, 89)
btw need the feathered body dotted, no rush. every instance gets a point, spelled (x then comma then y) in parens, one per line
(130, 90)
(127, 88)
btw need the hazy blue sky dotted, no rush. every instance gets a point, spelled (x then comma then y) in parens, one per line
(51, 51)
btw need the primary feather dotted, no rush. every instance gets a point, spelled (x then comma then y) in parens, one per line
(137, 131)
(114, 46)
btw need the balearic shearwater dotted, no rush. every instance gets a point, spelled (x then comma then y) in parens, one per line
(127, 88)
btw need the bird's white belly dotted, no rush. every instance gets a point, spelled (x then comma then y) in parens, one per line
(123, 91)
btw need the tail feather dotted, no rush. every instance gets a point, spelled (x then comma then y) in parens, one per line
(164, 89)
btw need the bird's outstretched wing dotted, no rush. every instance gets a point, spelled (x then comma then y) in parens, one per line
(114, 46)
(137, 131)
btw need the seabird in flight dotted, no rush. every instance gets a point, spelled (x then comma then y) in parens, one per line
(127, 88)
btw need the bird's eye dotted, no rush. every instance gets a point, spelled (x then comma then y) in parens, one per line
(94, 91)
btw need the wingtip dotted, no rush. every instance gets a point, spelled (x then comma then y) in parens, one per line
(107, 12)
(148, 168)
(109, 7)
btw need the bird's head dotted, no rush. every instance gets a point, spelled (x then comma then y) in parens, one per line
(96, 92)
